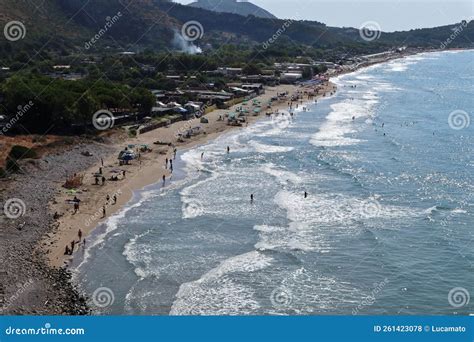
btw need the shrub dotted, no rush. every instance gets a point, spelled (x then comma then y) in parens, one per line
(12, 165)
(132, 133)
(21, 152)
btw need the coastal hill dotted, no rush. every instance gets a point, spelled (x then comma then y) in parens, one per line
(66, 25)
(243, 8)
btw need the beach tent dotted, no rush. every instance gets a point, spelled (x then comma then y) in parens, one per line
(126, 155)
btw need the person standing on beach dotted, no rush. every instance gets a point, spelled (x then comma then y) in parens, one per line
(103, 180)
(174, 151)
(164, 180)
(79, 234)
(166, 165)
(102, 161)
(108, 199)
(115, 199)
(124, 174)
(171, 166)
(104, 212)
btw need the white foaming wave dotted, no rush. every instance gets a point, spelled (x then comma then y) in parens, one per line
(365, 77)
(216, 294)
(137, 254)
(273, 238)
(339, 123)
(221, 194)
(327, 209)
(263, 148)
(191, 206)
(398, 66)
(282, 176)
(459, 211)
(313, 292)
(112, 224)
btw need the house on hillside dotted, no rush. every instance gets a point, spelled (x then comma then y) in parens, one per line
(258, 88)
(229, 72)
(290, 77)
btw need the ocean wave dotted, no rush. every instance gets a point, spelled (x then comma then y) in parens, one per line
(216, 293)
(282, 176)
(264, 148)
(339, 123)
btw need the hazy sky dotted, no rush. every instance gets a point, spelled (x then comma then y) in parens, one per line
(391, 15)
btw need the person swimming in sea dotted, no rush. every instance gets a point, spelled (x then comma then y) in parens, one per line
(251, 198)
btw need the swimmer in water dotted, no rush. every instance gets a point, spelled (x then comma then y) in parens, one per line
(251, 198)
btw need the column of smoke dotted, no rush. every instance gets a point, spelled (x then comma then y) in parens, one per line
(183, 45)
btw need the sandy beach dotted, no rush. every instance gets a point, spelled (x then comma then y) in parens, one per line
(149, 170)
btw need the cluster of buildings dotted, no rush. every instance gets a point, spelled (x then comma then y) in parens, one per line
(194, 101)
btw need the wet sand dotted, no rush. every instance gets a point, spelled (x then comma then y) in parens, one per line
(149, 170)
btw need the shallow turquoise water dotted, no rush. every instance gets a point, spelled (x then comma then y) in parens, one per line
(387, 227)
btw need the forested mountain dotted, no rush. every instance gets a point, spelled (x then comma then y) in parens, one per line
(65, 26)
(243, 8)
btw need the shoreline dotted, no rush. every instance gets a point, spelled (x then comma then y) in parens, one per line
(46, 266)
(148, 171)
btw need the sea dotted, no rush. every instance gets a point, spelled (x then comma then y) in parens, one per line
(386, 226)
